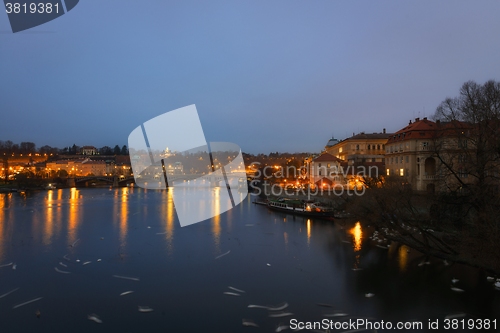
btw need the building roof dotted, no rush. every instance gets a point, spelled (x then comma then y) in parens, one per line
(419, 129)
(93, 162)
(325, 157)
(372, 136)
(332, 142)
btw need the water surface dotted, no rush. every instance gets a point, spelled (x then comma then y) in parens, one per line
(181, 275)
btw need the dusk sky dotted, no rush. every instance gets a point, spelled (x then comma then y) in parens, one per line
(267, 75)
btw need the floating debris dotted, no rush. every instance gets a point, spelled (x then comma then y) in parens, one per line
(66, 257)
(26, 303)
(335, 314)
(490, 278)
(279, 315)
(126, 277)
(8, 293)
(145, 309)
(59, 271)
(126, 292)
(458, 290)
(368, 295)
(86, 263)
(98, 260)
(161, 233)
(77, 260)
(454, 280)
(63, 265)
(456, 315)
(74, 243)
(258, 306)
(248, 322)
(381, 246)
(231, 294)
(236, 289)
(446, 262)
(5, 265)
(95, 318)
(268, 264)
(497, 284)
(357, 269)
(222, 255)
(14, 266)
(278, 307)
(282, 328)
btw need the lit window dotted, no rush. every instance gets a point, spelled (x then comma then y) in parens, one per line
(401, 172)
(388, 172)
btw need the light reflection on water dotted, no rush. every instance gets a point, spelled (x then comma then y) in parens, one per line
(357, 235)
(179, 275)
(403, 257)
(169, 212)
(74, 215)
(216, 227)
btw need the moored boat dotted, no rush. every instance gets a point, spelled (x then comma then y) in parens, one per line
(300, 207)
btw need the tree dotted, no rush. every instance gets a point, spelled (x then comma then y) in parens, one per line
(116, 150)
(473, 120)
(74, 150)
(27, 147)
(105, 151)
(124, 150)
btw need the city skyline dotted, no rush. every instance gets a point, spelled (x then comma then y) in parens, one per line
(281, 76)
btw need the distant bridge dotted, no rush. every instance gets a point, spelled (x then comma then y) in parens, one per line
(114, 180)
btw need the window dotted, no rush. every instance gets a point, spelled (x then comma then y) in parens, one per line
(388, 173)
(401, 172)
(378, 147)
(328, 165)
(401, 159)
(368, 147)
(425, 145)
(357, 147)
(340, 149)
(407, 159)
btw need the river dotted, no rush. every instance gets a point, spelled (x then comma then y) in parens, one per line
(73, 252)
